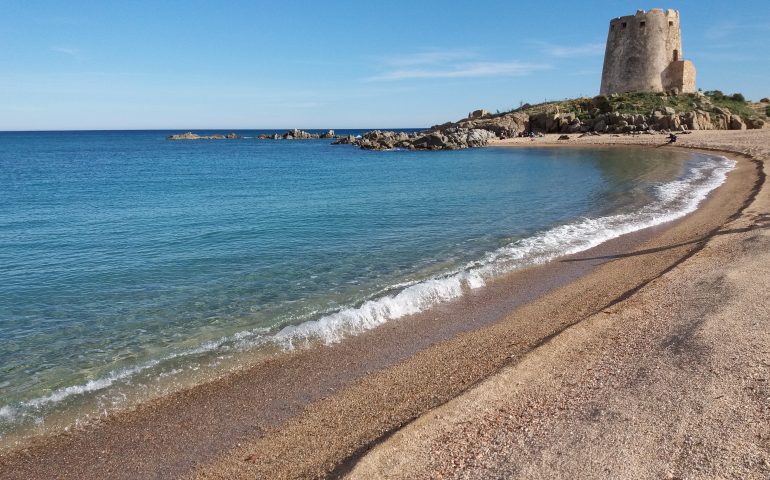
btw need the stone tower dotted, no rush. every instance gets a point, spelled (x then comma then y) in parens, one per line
(644, 54)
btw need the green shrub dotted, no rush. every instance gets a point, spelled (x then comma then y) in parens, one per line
(602, 103)
(767, 111)
(715, 94)
(738, 97)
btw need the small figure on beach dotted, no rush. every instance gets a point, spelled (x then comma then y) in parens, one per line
(671, 138)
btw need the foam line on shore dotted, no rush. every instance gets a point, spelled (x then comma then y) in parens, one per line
(674, 200)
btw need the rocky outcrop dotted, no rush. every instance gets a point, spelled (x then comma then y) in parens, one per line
(195, 136)
(453, 138)
(299, 135)
(184, 136)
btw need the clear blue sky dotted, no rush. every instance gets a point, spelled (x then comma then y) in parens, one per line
(334, 64)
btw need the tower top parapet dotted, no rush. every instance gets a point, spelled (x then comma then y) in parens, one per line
(644, 53)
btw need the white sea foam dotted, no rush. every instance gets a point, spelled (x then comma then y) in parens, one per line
(7, 412)
(674, 200)
(413, 299)
(90, 386)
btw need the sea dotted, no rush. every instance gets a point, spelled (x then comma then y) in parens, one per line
(132, 266)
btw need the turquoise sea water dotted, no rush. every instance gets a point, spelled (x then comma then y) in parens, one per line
(130, 264)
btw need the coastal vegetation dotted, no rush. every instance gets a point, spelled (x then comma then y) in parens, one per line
(629, 113)
(647, 102)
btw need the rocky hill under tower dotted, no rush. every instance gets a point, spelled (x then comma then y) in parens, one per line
(630, 114)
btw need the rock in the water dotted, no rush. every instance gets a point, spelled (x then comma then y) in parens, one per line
(194, 136)
(344, 140)
(297, 134)
(184, 136)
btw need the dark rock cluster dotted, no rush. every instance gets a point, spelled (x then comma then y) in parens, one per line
(450, 138)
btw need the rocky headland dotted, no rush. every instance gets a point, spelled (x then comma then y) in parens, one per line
(633, 113)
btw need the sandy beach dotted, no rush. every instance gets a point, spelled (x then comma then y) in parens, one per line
(644, 357)
(670, 383)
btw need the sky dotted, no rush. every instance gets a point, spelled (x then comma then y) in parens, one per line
(78, 65)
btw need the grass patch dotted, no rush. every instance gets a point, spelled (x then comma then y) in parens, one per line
(644, 103)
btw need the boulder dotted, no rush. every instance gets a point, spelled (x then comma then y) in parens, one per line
(575, 126)
(703, 120)
(344, 140)
(431, 141)
(478, 137)
(328, 134)
(600, 126)
(478, 114)
(736, 123)
(721, 121)
(564, 137)
(232, 136)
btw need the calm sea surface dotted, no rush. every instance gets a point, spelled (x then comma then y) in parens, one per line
(130, 265)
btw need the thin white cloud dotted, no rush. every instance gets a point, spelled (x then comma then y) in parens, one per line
(72, 52)
(430, 57)
(721, 30)
(583, 50)
(449, 63)
(464, 70)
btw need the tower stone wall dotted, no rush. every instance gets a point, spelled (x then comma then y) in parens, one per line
(644, 54)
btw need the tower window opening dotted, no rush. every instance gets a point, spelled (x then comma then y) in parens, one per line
(641, 24)
(623, 24)
(676, 55)
(670, 24)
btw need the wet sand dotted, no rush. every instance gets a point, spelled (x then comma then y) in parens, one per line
(315, 412)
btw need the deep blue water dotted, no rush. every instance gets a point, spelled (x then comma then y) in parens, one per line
(125, 257)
